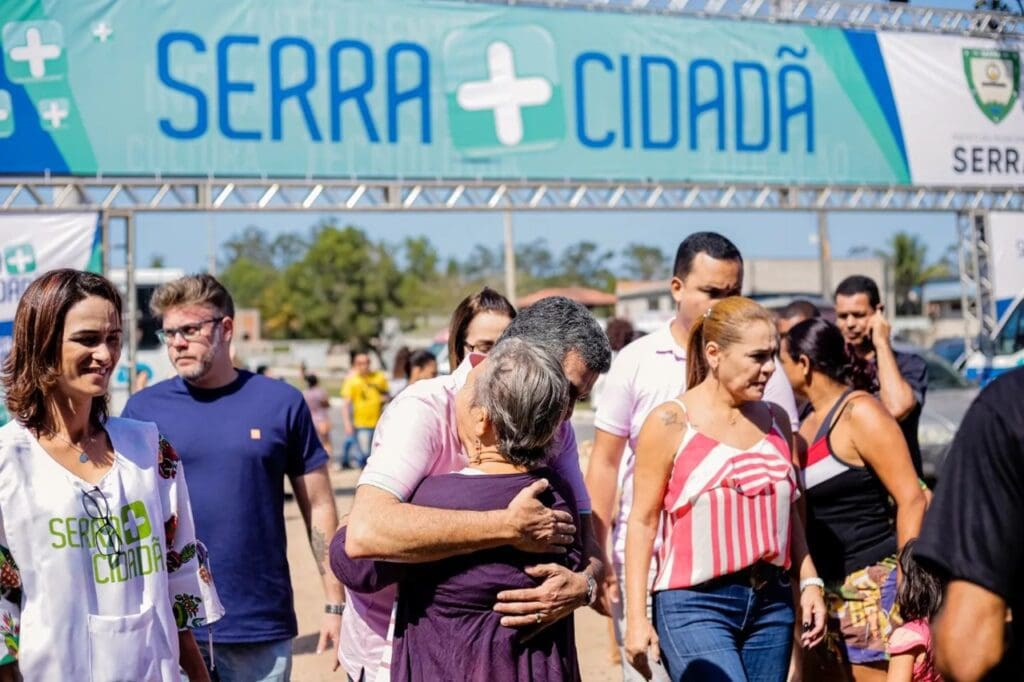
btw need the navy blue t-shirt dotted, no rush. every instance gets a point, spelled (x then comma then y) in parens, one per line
(238, 443)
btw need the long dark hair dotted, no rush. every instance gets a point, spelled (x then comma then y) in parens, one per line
(920, 593)
(33, 366)
(823, 344)
(485, 300)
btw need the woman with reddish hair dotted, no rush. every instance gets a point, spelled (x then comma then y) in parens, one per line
(102, 577)
(714, 470)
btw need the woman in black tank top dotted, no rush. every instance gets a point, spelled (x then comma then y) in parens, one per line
(855, 465)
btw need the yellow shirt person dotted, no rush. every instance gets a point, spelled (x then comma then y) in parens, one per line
(366, 393)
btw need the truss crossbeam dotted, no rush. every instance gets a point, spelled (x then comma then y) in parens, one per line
(243, 194)
(867, 15)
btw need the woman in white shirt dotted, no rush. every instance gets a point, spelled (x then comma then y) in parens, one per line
(102, 577)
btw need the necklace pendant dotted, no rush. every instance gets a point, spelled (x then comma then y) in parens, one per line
(83, 458)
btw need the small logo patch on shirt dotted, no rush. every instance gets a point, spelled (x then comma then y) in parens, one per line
(254, 434)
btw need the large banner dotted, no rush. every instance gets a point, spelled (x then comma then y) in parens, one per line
(1006, 259)
(35, 243)
(388, 89)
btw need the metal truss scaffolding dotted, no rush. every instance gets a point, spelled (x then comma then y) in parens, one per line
(120, 199)
(977, 297)
(145, 194)
(896, 16)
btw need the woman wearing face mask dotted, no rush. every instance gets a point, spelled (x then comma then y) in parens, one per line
(446, 627)
(855, 463)
(99, 563)
(716, 464)
(476, 324)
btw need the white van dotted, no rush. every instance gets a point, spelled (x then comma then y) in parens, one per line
(1004, 351)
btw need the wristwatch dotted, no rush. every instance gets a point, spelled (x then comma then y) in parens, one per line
(591, 589)
(334, 609)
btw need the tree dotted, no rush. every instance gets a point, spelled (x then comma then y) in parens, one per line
(905, 255)
(420, 290)
(247, 280)
(534, 259)
(288, 248)
(643, 262)
(585, 264)
(341, 290)
(483, 263)
(156, 260)
(253, 244)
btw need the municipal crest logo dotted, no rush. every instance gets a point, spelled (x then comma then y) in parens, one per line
(994, 79)
(502, 90)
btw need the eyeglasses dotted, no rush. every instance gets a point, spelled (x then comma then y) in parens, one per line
(484, 347)
(190, 332)
(108, 542)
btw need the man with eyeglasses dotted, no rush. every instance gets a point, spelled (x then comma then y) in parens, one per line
(239, 435)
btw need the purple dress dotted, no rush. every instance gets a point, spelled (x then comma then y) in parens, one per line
(446, 628)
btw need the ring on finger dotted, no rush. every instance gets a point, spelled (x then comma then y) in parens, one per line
(538, 619)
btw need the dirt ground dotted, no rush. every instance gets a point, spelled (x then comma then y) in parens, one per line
(592, 632)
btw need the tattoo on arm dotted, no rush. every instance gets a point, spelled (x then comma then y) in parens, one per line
(670, 418)
(319, 544)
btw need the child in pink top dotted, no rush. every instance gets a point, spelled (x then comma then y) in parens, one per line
(911, 656)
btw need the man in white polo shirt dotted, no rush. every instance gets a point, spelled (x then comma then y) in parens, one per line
(646, 373)
(418, 437)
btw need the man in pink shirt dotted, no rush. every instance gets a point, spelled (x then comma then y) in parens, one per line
(646, 373)
(418, 437)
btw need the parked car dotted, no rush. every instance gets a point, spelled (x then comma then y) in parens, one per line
(950, 349)
(949, 396)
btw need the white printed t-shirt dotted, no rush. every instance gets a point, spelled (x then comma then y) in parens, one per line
(417, 436)
(644, 374)
(83, 613)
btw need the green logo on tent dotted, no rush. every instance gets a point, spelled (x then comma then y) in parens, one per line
(34, 51)
(19, 259)
(502, 90)
(994, 78)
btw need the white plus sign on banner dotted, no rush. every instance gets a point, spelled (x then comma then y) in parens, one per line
(54, 111)
(504, 93)
(19, 259)
(102, 31)
(35, 52)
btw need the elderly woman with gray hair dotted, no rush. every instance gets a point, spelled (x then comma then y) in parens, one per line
(446, 626)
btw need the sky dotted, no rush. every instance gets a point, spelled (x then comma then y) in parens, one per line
(184, 239)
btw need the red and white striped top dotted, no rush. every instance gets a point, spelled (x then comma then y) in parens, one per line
(725, 508)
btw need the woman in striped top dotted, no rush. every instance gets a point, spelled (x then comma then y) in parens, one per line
(714, 468)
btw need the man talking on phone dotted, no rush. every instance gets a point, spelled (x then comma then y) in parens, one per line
(898, 378)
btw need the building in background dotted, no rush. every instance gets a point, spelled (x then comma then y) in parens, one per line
(647, 304)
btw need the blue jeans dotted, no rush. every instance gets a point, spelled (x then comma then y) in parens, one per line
(726, 632)
(257, 662)
(364, 441)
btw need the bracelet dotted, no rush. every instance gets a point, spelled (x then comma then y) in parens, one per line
(591, 595)
(807, 582)
(334, 609)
